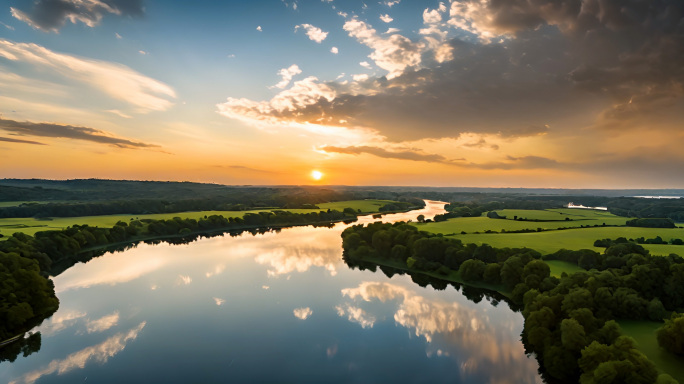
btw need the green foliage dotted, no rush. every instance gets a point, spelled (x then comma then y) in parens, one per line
(651, 223)
(472, 270)
(671, 335)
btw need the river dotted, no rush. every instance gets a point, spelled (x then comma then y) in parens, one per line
(274, 307)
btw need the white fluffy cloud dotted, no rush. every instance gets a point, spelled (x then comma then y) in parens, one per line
(334, 50)
(302, 313)
(314, 33)
(302, 93)
(386, 18)
(286, 75)
(393, 53)
(116, 80)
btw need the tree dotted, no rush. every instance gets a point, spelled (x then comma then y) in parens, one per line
(472, 270)
(671, 334)
(421, 218)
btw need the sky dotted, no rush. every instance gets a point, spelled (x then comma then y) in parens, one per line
(472, 93)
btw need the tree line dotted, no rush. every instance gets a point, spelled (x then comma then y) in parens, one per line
(569, 321)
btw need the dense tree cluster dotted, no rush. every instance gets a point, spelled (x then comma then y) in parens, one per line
(400, 206)
(26, 297)
(569, 321)
(671, 335)
(651, 223)
(605, 243)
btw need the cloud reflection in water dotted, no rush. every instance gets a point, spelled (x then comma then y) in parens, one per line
(485, 345)
(99, 353)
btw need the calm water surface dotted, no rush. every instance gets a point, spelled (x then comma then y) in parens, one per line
(277, 307)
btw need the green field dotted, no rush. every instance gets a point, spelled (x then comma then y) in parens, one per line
(581, 238)
(561, 214)
(366, 206)
(30, 226)
(550, 240)
(644, 334)
(482, 224)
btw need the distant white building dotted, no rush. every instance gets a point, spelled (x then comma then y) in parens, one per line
(572, 205)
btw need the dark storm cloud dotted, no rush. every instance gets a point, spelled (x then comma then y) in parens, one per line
(51, 15)
(69, 132)
(549, 62)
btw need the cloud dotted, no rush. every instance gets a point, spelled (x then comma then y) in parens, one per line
(334, 50)
(366, 65)
(119, 113)
(356, 315)
(523, 162)
(303, 313)
(432, 16)
(391, 3)
(411, 155)
(483, 340)
(116, 80)
(361, 77)
(218, 301)
(386, 18)
(69, 132)
(99, 353)
(61, 321)
(51, 15)
(184, 279)
(303, 93)
(118, 36)
(103, 323)
(258, 28)
(11, 140)
(314, 33)
(216, 271)
(482, 143)
(520, 69)
(394, 53)
(286, 75)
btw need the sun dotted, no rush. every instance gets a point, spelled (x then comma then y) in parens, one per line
(316, 175)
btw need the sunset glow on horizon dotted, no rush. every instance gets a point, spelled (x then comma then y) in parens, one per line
(440, 93)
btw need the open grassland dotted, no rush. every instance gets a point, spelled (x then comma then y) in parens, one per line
(550, 240)
(582, 238)
(482, 224)
(644, 334)
(586, 216)
(30, 226)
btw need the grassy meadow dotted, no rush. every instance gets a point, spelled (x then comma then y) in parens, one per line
(550, 239)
